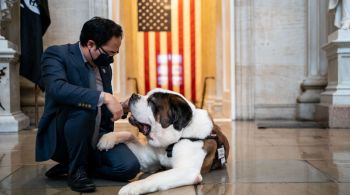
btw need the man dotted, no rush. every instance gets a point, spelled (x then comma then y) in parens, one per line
(80, 107)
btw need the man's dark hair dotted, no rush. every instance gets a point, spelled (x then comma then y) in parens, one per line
(99, 30)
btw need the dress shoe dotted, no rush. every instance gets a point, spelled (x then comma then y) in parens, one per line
(58, 171)
(79, 181)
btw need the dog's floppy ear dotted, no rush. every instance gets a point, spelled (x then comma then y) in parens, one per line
(160, 108)
(164, 119)
(180, 112)
(170, 109)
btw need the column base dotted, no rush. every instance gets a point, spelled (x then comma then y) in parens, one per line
(332, 116)
(14, 122)
(306, 103)
(305, 111)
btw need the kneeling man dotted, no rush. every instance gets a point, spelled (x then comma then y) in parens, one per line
(80, 108)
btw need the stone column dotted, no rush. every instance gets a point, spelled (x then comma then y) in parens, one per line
(315, 81)
(11, 117)
(245, 60)
(334, 109)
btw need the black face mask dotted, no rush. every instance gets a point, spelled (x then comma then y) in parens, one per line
(102, 60)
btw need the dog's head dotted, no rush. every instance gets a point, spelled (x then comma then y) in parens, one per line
(161, 115)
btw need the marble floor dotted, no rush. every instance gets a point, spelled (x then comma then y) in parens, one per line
(261, 162)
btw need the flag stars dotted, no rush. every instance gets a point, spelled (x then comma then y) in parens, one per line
(154, 15)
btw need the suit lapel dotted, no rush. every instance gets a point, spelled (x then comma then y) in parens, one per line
(106, 76)
(105, 72)
(78, 61)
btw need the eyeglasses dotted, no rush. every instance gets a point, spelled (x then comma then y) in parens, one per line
(107, 53)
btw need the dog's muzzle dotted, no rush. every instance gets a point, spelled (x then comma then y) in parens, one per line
(143, 128)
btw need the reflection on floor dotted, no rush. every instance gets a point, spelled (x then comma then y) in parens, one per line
(262, 161)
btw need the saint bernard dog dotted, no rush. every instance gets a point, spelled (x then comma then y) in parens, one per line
(180, 138)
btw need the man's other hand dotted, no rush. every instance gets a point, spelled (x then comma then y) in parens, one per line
(113, 106)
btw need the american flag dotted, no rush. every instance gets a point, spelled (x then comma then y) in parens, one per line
(169, 45)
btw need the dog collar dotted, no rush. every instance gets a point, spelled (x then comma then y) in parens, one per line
(220, 152)
(169, 149)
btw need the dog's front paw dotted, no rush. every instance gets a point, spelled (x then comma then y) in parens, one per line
(130, 189)
(107, 141)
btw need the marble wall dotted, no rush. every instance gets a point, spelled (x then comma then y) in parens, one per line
(68, 17)
(271, 57)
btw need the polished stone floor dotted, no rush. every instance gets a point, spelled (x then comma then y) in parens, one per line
(261, 162)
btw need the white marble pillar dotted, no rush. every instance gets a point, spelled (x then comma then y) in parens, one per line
(334, 108)
(11, 117)
(316, 81)
(244, 60)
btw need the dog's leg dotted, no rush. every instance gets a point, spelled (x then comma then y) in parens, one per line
(163, 180)
(108, 140)
(210, 147)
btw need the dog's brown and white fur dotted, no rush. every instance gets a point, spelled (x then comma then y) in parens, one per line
(166, 117)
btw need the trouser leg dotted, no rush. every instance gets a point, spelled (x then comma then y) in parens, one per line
(118, 164)
(74, 134)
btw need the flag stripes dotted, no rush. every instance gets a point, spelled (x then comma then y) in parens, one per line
(169, 58)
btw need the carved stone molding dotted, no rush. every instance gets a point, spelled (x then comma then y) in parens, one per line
(5, 9)
(334, 108)
(11, 117)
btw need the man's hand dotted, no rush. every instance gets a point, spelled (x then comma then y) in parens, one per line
(126, 110)
(113, 106)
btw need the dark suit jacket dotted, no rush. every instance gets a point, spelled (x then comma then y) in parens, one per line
(65, 78)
